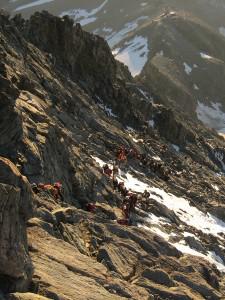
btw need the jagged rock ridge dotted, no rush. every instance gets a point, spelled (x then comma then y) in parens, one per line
(176, 46)
(58, 113)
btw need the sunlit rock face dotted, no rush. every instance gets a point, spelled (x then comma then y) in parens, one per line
(68, 109)
(175, 47)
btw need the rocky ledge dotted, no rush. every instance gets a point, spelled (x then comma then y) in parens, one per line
(66, 108)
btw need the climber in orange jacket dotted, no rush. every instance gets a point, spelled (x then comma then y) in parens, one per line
(54, 190)
(121, 154)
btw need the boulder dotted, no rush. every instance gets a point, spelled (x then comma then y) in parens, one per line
(45, 215)
(218, 211)
(158, 276)
(194, 243)
(199, 286)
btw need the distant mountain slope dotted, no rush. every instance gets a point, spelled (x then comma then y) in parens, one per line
(151, 227)
(176, 47)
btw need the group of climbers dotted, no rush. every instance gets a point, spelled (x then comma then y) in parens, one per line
(123, 154)
(55, 190)
(110, 171)
(130, 199)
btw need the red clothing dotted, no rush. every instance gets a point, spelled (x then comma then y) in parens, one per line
(121, 154)
(126, 209)
(123, 221)
(91, 207)
(108, 172)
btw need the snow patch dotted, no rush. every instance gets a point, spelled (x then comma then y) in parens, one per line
(187, 68)
(151, 123)
(145, 94)
(176, 148)
(134, 55)
(83, 16)
(107, 110)
(34, 3)
(215, 187)
(117, 37)
(99, 161)
(211, 256)
(205, 56)
(190, 215)
(157, 158)
(187, 234)
(128, 128)
(212, 116)
(107, 29)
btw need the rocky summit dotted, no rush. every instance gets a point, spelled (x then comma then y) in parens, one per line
(106, 191)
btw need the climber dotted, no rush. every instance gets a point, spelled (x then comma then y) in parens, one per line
(121, 154)
(107, 170)
(91, 207)
(124, 191)
(115, 170)
(58, 191)
(133, 202)
(35, 188)
(115, 183)
(52, 190)
(41, 186)
(47, 188)
(121, 186)
(144, 161)
(165, 175)
(140, 198)
(126, 207)
(133, 153)
(146, 194)
(123, 221)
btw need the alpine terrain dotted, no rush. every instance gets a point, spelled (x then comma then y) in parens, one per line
(112, 155)
(175, 46)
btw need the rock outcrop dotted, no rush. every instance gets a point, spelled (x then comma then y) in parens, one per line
(66, 108)
(16, 208)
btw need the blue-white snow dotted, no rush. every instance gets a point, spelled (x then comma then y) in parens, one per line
(34, 3)
(188, 214)
(212, 116)
(116, 37)
(134, 54)
(83, 16)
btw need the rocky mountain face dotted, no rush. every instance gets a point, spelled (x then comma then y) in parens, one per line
(66, 107)
(176, 47)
